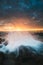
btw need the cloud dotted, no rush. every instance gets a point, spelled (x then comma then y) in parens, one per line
(31, 9)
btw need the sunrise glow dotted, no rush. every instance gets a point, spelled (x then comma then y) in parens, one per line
(19, 28)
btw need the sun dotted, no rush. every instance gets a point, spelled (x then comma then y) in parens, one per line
(9, 28)
(19, 27)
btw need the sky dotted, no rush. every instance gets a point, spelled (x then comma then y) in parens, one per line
(22, 12)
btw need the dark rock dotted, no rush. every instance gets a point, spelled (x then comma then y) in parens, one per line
(26, 56)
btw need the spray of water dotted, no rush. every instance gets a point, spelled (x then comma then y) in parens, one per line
(17, 39)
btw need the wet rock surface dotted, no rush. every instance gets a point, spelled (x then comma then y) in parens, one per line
(26, 56)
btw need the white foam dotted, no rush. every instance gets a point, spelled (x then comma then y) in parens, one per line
(16, 39)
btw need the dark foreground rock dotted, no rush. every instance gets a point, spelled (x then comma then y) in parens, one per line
(25, 56)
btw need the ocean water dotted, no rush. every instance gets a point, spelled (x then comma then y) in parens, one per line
(21, 38)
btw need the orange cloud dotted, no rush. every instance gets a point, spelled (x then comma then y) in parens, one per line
(20, 24)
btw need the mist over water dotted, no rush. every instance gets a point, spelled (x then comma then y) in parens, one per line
(17, 39)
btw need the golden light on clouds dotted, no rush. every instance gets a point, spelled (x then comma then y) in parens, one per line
(19, 28)
(20, 24)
